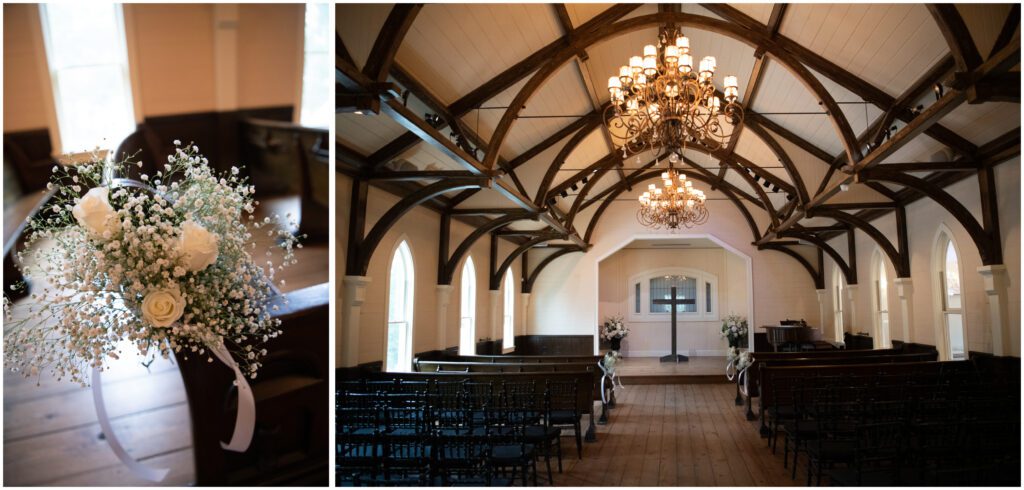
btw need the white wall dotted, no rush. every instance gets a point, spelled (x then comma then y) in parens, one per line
(695, 337)
(565, 296)
(923, 221)
(420, 227)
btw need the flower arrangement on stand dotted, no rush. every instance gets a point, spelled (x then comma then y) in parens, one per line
(163, 263)
(734, 328)
(614, 330)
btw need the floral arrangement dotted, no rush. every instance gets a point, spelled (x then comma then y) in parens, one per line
(614, 327)
(742, 359)
(163, 263)
(734, 328)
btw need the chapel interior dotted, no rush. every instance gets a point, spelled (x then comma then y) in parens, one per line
(241, 82)
(510, 183)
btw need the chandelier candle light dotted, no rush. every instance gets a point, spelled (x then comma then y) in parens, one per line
(660, 102)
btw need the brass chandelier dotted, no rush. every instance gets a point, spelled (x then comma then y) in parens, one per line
(659, 102)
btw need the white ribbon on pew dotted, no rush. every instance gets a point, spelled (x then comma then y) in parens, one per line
(138, 469)
(245, 420)
(609, 376)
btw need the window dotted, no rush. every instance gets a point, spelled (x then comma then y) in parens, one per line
(697, 289)
(837, 302)
(88, 63)
(686, 292)
(317, 91)
(508, 333)
(467, 308)
(881, 303)
(636, 298)
(951, 298)
(400, 296)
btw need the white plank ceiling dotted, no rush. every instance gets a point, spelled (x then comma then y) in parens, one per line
(453, 49)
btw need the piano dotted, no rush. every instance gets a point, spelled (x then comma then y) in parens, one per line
(795, 336)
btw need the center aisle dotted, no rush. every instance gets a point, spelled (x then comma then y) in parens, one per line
(677, 435)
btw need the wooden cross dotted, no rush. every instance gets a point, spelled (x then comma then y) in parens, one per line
(674, 357)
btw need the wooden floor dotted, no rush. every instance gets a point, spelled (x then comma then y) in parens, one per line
(51, 436)
(675, 435)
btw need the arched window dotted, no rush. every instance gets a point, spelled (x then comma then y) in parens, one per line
(881, 303)
(837, 302)
(467, 309)
(508, 335)
(951, 302)
(400, 296)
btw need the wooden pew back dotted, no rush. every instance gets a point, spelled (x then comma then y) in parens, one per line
(494, 367)
(290, 444)
(583, 379)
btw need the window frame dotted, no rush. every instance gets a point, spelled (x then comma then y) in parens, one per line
(403, 251)
(303, 55)
(943, 242)
(879, 273)
(467, 281)
(644, 279)
(508, 341)
(60, 117)
(838, 290)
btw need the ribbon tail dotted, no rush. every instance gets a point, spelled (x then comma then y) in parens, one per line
(138, 469)
(245, 418)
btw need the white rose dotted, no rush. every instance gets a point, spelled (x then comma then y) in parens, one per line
(197, 245)
(162, 307)
(95, 213)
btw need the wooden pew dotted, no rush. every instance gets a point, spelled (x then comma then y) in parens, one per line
(528, 367)
(583, 378)
(781, 377)
(290, 444)
(443, 356)
(754, 381)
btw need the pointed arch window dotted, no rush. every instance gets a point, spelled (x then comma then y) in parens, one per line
(467, 309)
(508, 334)
(400, 311)
(881, 303)
(837, 302)
(951, 298)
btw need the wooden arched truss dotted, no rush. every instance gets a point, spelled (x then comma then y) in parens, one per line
(967, 75)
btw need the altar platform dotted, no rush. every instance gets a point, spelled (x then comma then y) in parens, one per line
(650, 371)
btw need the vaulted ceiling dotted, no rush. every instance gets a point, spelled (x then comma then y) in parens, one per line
(889, 102)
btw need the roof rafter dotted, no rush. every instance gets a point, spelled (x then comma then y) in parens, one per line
(504, 80)
(844, 78)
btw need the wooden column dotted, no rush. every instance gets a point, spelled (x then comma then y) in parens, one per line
(444, 297)
(851, 296)
(905, 291)
(823, 304)
(351, 311)
(997, 284)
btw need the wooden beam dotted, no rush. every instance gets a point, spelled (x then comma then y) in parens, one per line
(957, 35)
(528, 65)
(837, 74)
(1010, 27)
(505, 79)
(418, 175)
(390, 37)
(349, 156)
(957, 166)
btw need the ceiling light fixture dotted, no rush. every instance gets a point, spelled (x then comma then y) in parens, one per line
(660, 101)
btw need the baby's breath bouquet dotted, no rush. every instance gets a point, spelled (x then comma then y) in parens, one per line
(163, 263)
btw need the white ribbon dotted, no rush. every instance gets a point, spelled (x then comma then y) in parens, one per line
(245, 420)
(612, 377)
(138, 469)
